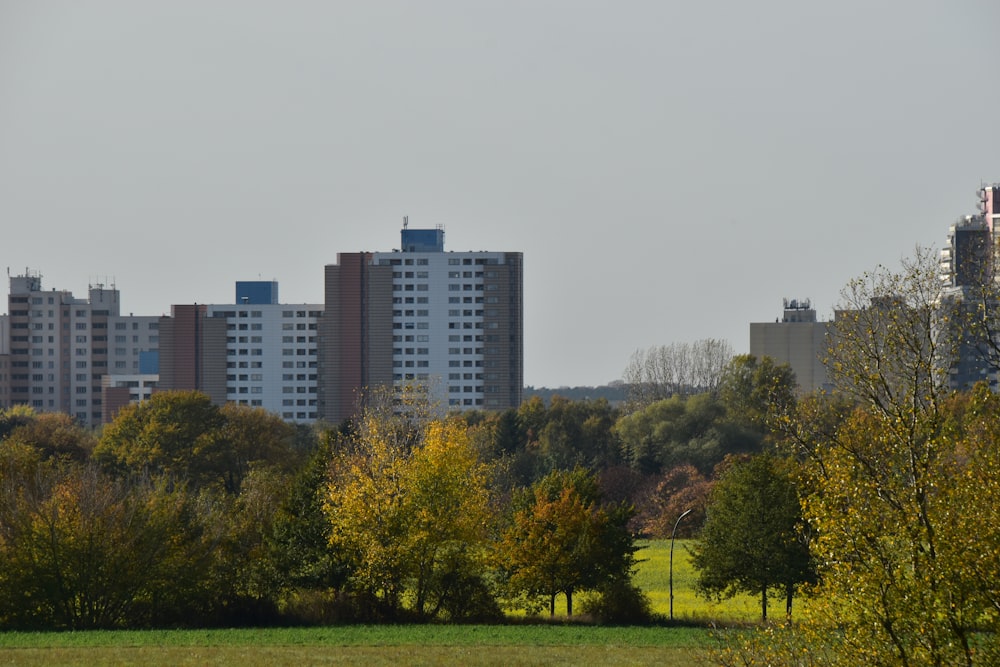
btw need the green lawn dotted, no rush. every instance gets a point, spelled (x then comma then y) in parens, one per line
(653, 577)
(369, 645)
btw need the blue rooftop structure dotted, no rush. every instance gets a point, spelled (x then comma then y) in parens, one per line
(422, 240)
(256, 292)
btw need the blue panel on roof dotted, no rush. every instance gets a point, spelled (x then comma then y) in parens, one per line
(256, 291)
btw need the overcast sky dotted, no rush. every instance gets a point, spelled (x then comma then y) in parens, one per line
(670, 170)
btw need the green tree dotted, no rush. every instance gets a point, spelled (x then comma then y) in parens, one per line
(753, 539)
(175, 433)
(902, 488)
(578, 433)
(755, 391)
(906, 533)
(182, 434)
(81, 550)
(561, 540)
(251, 436)
(676, 431)
(301, 532)
(53, 434)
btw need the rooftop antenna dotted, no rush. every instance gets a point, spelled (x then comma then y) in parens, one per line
(406, 221)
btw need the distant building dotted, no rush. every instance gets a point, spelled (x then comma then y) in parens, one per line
(450, 321)
(255, 352)
(796, 339)
(968, 264)
(59, 347)
(193, 352)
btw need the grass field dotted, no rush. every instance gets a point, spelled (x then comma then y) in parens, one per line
(653, 577)
(369, 645)
(557, 643)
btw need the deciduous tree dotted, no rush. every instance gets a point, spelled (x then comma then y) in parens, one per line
(411, 518)
(754, 538)
(562, 540)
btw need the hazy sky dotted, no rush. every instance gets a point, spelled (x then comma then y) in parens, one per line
(670, 170)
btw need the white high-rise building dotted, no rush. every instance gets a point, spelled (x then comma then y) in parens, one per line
(449, 321)
(271, 351)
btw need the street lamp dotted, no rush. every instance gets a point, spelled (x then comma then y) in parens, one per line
(672, 533)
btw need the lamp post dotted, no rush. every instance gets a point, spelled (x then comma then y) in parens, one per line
(672, 533)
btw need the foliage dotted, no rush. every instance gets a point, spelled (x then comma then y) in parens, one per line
(175, 433)
(81, 550)
(252, 436)
(899, 509)
(902, 488)
(578, 433)
(755, 390)
(300, 539)
(618, 601)
(54, 434)
(410, 514)
(753, 539)
(183, 435)
(561, 540)
(13, 417)
(890, 346)
(679, 430)
(678, 490)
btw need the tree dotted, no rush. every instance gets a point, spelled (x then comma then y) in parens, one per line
(755, 390)
(903, 483)
(678, 490)
(661, 372)
(251, 436)
(892, 341)
(81, 550)
(561, 540)
(906, 532)
(578, 433)
(682, 430)
(53, 434)
(411, 517)
(175, 433)
(182, 434)
(754, 539)
(301, 533)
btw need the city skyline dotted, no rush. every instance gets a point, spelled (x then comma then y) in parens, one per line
(670, 172)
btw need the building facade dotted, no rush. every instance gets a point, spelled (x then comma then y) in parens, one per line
(968, 272)
(451, 322)
(797, 339)
(59, 347)
(255, 351)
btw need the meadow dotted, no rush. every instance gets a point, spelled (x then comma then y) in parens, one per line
(560, 642)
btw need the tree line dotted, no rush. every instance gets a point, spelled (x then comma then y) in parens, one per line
(180, 512)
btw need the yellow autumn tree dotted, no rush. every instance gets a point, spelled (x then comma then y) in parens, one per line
(409, 510)
(903, 490)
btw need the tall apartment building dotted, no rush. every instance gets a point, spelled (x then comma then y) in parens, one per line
(193, 352)
(450, 321)
(60, 347)
(255, 351)
(969, 262)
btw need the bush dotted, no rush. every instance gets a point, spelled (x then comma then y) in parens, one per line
(618, 602)
(472, 601)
